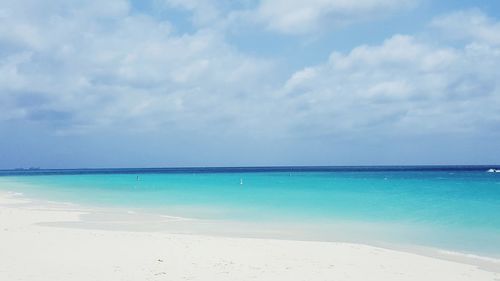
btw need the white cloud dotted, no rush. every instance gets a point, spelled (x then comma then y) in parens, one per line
(299, 17)
(287, 16)
(80, 68)
(469, 24)
(87, 66)
(406, 85)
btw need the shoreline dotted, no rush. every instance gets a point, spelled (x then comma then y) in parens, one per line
(133, 219)
(39, 224)
(409, 233)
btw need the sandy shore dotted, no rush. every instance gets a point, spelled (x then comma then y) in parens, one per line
(31, 250)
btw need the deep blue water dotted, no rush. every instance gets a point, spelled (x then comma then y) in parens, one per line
(453, 207)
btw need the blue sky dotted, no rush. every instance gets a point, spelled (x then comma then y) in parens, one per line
(240, 83)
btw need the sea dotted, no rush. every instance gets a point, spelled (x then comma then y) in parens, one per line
(455, 208)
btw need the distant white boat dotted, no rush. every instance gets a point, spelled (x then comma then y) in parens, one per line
(493, 171)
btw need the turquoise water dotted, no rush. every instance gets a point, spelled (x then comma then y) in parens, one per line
(451, 209)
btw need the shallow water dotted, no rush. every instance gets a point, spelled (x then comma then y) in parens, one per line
(453, 208)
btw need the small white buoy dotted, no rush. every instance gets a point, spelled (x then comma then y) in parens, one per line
(241, 181)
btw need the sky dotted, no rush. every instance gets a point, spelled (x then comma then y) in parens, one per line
(176, 83)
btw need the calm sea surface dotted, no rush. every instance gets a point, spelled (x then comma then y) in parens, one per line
(456, 208)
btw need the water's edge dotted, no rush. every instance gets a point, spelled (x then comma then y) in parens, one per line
(116, 219)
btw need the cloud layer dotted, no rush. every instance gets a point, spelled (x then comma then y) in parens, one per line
(299, 17)
(87, 66)
(404, 85)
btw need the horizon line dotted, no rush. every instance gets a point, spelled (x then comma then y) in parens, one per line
(34, 169)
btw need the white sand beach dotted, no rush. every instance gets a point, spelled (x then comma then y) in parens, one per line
(33, 251)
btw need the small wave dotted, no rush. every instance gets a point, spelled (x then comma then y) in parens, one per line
(13, 193)
(471, 256)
